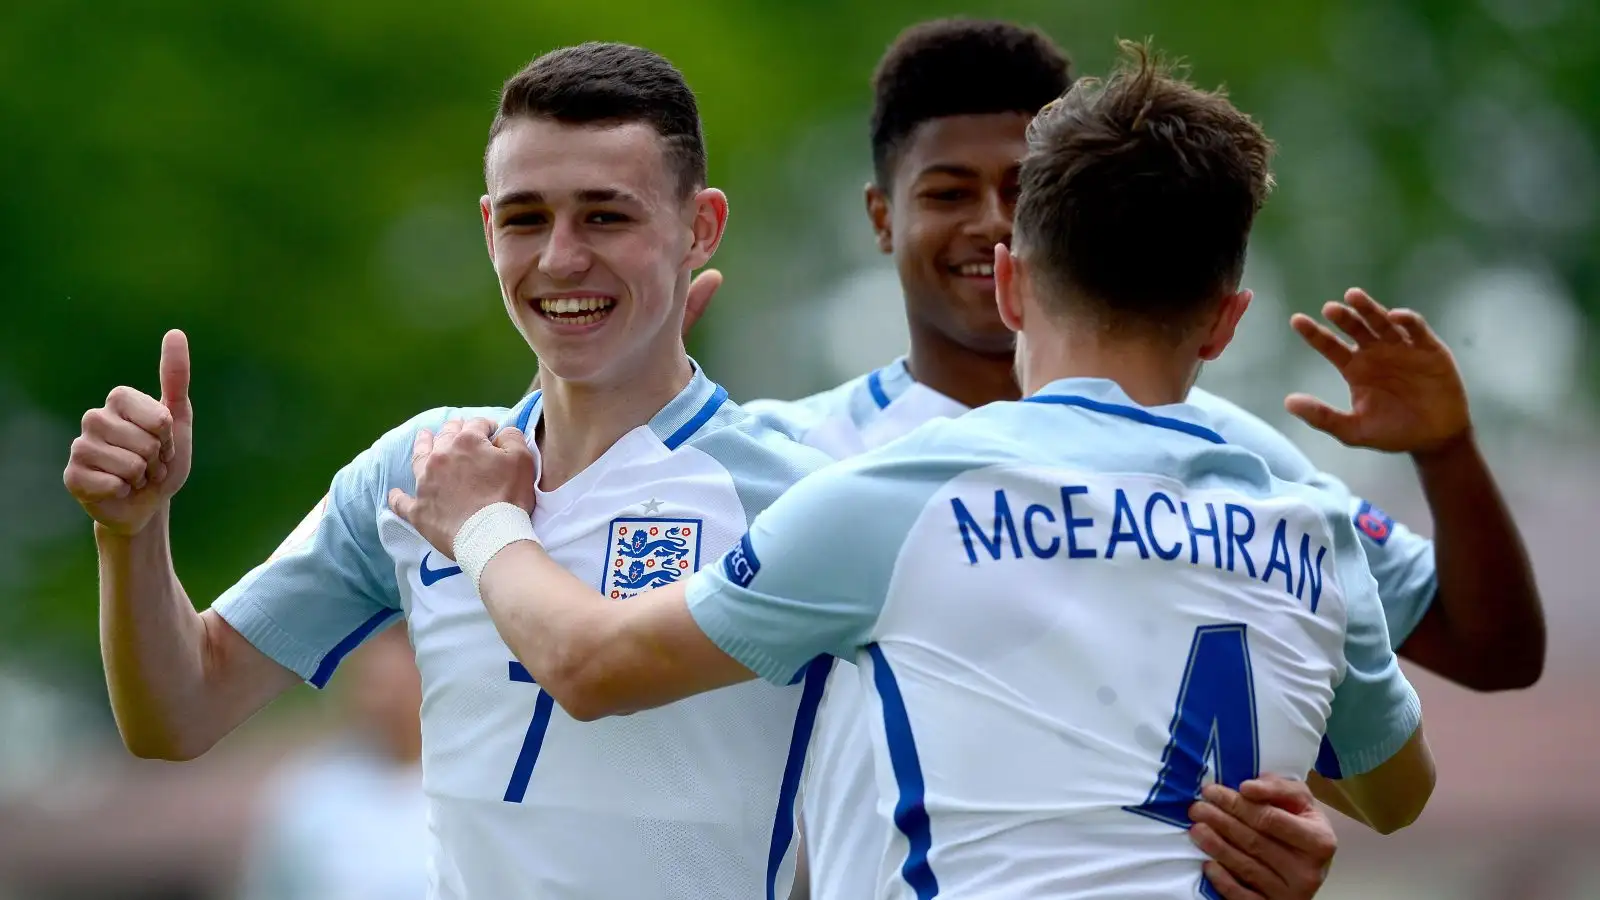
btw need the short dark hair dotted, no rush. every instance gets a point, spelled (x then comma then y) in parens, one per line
(1138, 193)
(607, 83)
(959, 67)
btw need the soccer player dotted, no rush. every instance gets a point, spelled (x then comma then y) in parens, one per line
(597, 212)
(1067, 610)
(952, 101)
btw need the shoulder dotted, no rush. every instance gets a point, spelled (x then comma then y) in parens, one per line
(742, 442)
(1242, 428)
(913, 467)
(387, 462)
(798, 418)
(762, 461)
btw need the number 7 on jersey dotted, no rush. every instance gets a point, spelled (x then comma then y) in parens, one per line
(517, 787)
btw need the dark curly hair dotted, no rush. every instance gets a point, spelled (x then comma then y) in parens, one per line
(959, 67)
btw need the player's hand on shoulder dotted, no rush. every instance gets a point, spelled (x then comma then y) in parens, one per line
(134, 452)
(460, 470)
(1267, 841)
(1406, 392)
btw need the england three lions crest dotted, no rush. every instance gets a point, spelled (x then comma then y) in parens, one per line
(645, 553)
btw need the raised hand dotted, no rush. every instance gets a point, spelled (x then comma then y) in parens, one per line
(460, 470)
(1406, 393)
(135, 451)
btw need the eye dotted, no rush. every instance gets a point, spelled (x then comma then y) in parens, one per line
(523, 220)
(946, 195)
(607, 218)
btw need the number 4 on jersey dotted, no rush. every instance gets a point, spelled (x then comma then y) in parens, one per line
(1213, 729)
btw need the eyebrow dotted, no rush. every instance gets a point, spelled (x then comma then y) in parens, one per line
(948, 169)
(955, 171)
(589, 195)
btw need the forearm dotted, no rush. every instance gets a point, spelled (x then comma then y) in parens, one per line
(1487, 606)
(151, 642)
(557, 626)
(599, 657)
(1390, 797)
(1328, 792)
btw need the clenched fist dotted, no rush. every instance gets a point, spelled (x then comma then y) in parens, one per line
(134, 452)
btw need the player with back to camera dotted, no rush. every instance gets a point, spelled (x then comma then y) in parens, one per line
(597, 212)
(952, 100)
(1065, 610)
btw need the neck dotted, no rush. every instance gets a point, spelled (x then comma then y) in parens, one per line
(581, 421)
(1149, 372)
(964, 375)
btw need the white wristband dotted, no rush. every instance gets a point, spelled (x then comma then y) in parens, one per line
(487, 532)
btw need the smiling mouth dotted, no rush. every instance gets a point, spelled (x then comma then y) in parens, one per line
(974, 270)
(576, 310)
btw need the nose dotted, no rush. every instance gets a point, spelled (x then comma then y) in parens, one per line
(993, 222)
(565, 256)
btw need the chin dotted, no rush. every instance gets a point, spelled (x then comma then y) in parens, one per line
(983, 332)
(572, 364)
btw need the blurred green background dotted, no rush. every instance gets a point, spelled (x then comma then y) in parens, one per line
(295, 184)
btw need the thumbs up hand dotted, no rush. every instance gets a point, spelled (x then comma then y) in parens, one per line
(134, 452)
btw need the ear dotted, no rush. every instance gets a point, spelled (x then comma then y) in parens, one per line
(488, 224)
(878, 215)
(1009, 275)
(1224, 324)
(710, 220)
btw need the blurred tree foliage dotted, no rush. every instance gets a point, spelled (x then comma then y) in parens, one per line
(265, 174)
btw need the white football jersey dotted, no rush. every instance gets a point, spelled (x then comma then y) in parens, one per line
(844, 834)
(692, 800)
(1067, 614)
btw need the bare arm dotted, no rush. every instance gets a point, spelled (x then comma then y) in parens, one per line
(178, 680)
(1485, 629)
(597, 657)
(1389, 797)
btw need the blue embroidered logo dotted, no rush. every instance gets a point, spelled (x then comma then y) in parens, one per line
(645, 553)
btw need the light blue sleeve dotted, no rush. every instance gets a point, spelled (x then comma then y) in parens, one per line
(1400, 559)
(810, 577)
(1375, 709)
(763, 462)
(1402, 562)
(330, 585)
(792, 418)
(797, 419)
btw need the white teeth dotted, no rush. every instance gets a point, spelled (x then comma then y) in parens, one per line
(572, 306)
(977, 270)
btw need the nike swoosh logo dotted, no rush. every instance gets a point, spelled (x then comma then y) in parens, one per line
(430, 577)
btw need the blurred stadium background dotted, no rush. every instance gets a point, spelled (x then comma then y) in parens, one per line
(295, 184)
